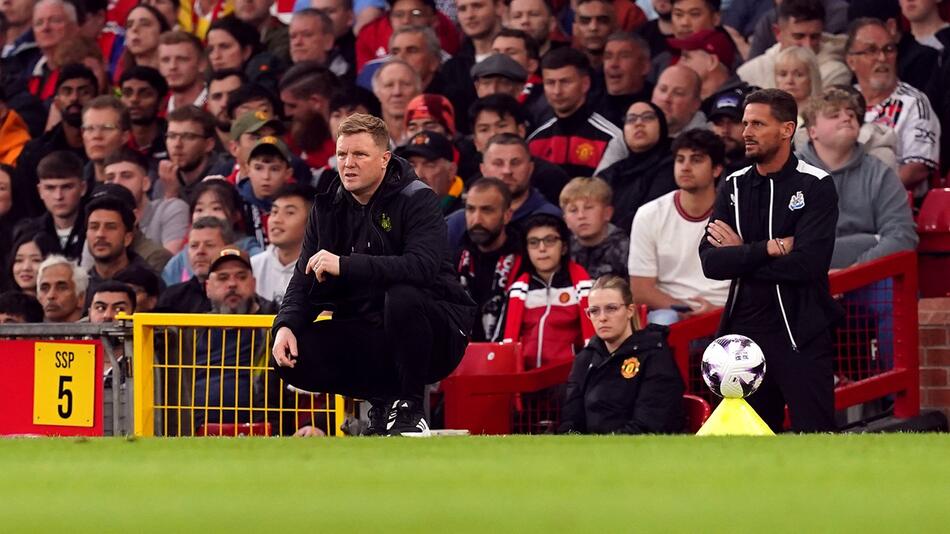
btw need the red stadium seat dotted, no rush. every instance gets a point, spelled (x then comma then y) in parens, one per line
(933, 226)
(697, 410)
(239, 429)
(490, 414)
(490, 359)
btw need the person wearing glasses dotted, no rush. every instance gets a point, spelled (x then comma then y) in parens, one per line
(372, 41)
(872, 56)
(546, 303)
(105, 128)
(625, 381)
(647, 173)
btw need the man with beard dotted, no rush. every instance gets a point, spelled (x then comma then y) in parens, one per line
(190, 141)
(871, 53)
(143, 90)
(75, 86)
(725, 118)
(181, 60)
(61, 289)
(658, 30)
(772, 233)
(536, 19)
(594, 21)
(306, 91)
(490, 258)
(222, 84)
(105, 128)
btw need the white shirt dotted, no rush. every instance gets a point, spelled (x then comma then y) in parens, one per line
(664, 244)
(272, 276)
(909, 113)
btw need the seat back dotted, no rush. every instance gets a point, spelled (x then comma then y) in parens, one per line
(697, 410)
(490, 359)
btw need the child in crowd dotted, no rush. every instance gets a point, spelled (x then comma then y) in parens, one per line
(596, 244)
(268, 170)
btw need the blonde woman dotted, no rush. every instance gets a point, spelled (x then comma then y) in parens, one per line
(796, 72)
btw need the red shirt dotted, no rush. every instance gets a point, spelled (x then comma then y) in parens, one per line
(373, 40)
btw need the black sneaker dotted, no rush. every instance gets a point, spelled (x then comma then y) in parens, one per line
(406, 418)
(379, 416)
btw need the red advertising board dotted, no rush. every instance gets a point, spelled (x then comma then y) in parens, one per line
(51, 388)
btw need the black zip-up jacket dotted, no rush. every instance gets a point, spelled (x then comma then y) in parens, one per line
(804, 205)
(399, 237)
(636, 390)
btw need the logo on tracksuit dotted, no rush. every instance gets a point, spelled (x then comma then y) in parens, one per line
(797, 201)
(629, 368)
(385, 223)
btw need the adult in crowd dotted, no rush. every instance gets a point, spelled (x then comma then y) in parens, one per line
(626, 65)
(311, 37)
(162, 220)
(109, 299)
(578, 139)
(181, 60)
(536, 18)
(647, 173)
(207, 238)
(656, 31)
(489, 259)
(190, 139)
(433, 160)
(594, 21)
(395, 83)
(372, 40)
(499, 73)
(710, 54)
(725, 120)
(387, 304)
(221, 85)
(837, 16)
(105, 128)
(61, 188)
(274, 34)
(61, 289)
(27, 253)
(779, 294)
(874, 218)
(796, 73)
(641, 395)
(343, 55)
(274, 267)
(75, 87)
(800, 23)
(872, 56)
(665, 272)
(597, 245)
(546, 303)
(677, 94)
(143, 91)
(143, 28)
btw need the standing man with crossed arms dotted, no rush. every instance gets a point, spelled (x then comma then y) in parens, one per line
(772, 232)
(376, 254)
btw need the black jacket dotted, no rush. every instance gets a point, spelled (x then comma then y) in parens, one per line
(804, 206)
(184, 297)
(34, 151)
(636, 180)
(399, 237)
(636, 390)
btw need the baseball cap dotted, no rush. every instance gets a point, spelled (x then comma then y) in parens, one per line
(230, 254)
(253, 121)
(727, 104)
(500, 65)
(435, 107)
(429, 145)
(273, 145)
(712, 41)
(113, 197)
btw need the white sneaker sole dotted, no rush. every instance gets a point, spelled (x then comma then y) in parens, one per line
(424, 434)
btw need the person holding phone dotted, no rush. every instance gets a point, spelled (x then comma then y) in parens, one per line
(665, 271)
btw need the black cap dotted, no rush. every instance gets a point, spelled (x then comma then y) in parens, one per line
(727, 104)
(429, 145)
(113, 197)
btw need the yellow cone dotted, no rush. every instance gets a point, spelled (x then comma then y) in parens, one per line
(734, 417)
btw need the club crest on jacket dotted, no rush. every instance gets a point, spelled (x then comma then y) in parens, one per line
(629, 368)
(797, 201)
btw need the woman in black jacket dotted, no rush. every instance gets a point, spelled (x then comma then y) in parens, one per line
(625, 381)
(647, 173)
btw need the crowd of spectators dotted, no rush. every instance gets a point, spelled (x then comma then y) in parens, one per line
(567, 140)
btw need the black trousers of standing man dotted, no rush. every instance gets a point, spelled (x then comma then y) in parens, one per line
(391, 354)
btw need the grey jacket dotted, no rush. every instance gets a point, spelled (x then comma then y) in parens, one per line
(874, 217)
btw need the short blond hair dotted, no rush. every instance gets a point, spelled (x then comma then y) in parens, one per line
(584, 187)
(358, 123)
(830, 99)
(806, 57)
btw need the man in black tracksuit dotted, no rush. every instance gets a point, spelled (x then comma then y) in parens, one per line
(772, 232)
(375, 254)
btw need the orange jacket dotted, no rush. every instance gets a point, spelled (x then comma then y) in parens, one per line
(13, 137)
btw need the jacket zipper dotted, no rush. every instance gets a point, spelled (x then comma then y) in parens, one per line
(778, 290)
(544, 317)
(735, 290)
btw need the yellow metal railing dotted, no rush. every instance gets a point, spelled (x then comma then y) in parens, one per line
(210, 374)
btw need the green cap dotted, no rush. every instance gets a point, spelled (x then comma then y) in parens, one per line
(271, 144)
(253, 121)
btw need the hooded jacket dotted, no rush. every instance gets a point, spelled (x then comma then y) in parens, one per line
(874, 218)
(803, 204)
(399, 237)
(637, 389)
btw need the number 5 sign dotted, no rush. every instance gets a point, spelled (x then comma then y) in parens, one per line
(64, 384)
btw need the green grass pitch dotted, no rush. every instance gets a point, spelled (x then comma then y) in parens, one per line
(839, 483)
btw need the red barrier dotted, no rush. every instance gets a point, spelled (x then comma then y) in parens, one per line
(876, 347)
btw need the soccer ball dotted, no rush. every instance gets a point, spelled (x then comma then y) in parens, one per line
(733, 366)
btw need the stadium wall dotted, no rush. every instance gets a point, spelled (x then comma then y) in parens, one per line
(934, 319)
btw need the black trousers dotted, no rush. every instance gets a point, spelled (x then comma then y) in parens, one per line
(415, 344)
(803, 379)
